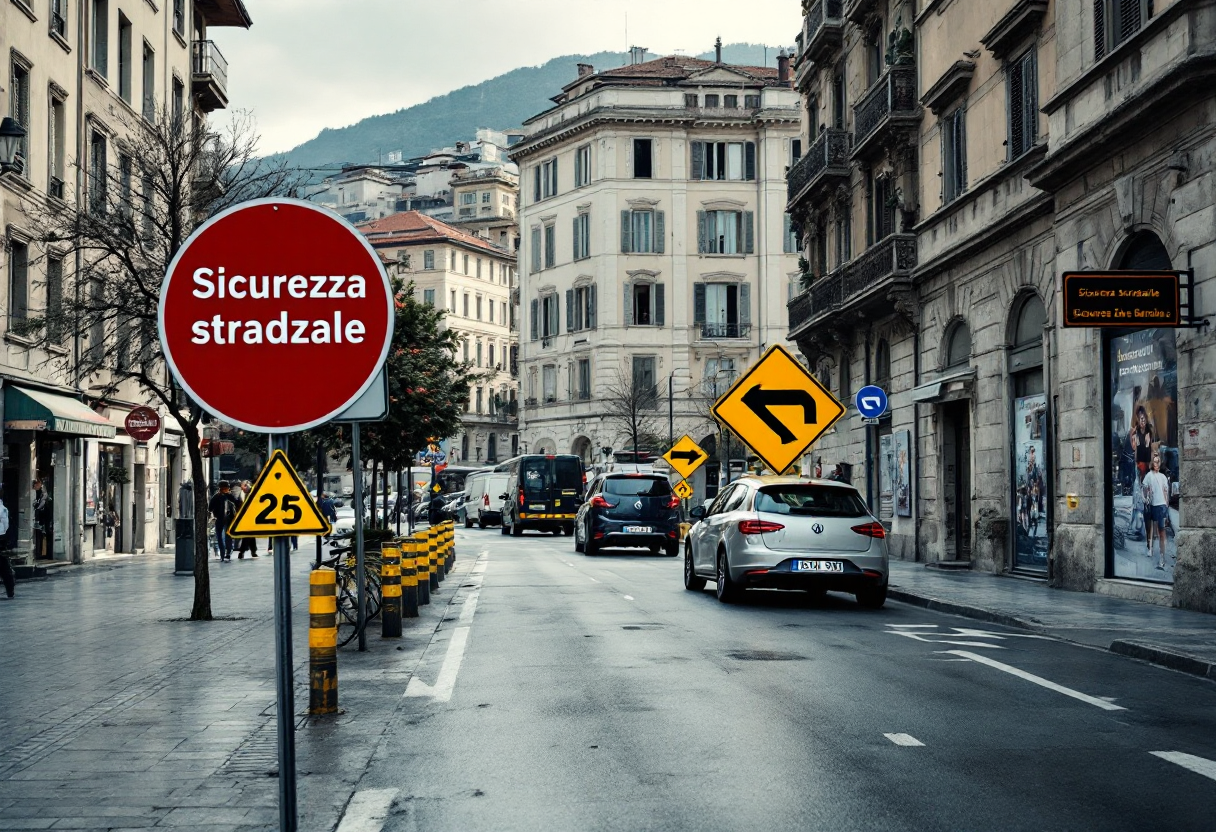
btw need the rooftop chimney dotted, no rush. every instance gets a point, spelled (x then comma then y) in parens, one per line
(783, 67)
(585, 69)
(718, 50)
(637, 54)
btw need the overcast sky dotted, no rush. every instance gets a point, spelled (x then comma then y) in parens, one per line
(310, 64)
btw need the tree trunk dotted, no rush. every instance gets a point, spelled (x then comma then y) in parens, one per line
(201, 611)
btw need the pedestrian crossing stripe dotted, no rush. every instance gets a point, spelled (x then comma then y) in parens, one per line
(278, 505)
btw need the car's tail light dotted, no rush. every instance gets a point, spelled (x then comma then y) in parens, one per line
(598, 501)
(871, 530)
(485, 498)
(674, 502)
(521, 496)
(759, 526)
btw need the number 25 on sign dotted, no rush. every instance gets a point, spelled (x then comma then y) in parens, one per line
(278, 505)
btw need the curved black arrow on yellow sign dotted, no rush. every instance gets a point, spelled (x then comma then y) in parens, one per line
(760, 400)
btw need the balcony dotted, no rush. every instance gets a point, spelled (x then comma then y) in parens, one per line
(209, 76)
(823, 30)
(890, 107)
(858, 288)
(717, 331)
(856, 11)
(825, 164)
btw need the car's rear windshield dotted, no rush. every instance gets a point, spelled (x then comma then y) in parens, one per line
(810, 500)
(550, 477)
(637, 486)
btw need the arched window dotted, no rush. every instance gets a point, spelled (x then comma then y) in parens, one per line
(1145, 253)
(958, 346)
(1029, 323)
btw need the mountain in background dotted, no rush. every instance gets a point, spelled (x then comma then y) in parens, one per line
(500, 103)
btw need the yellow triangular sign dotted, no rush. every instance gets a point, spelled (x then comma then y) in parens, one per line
(278, 505)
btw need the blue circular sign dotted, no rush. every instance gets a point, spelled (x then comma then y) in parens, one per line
(871, 401)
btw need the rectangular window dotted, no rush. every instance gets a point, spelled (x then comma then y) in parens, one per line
(428, 259)
(549, 382)
(479, 268)
(839, 104)
(126, 197)
(479, 364)
(453, 307)
(54, 299)
(18, 281)
(490, 363)
(795, 151)
(712, 101)
(690, 99)
(582, 236)
(179, 16)
(478, 304)
(147, 207)
(465, 345)
(56, 137)
(548, 178)
(722, 310)
(179, 100)
(643, 162)
(59, 18)
(536, 186)
(100, 33)
(582, 166)
(752, 102)
(1022, 88)
(584, 378)
(19, 108)
(485, 196)
(723, 160)
(490, 312)
(873, 54)
(465, 264)
(719, 376)
(1117, 20)
(954, 155)
(643, 232)
(880, 207)
(790, 244)
(730, 101)
(645, 386)
(844, 238)
(468, 198)
(466, 305)
(480, 394)
(550, 246)
(97, 173)
(503, 307)
(536, 249)
(549, 316)
(148, 79)
(580, 313)
(725, 232)
(428, 297)
(124, 59)
(645, 304)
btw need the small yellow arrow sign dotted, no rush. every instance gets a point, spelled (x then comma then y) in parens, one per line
(278, 505)
(778, 409)
(685, 457)
(683, 490)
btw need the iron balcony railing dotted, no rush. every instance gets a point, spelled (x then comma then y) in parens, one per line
(829, 155)
(208, 60)
(799, 310)
(893, 95)
(721, 330)
(892, 256)
(824, 25)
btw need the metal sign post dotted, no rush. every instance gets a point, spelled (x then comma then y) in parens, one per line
(360, 583)
(284, 689)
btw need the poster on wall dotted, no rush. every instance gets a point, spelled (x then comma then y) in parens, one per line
(886, 477)
(1030, 483)
(1144, 457)
(903, 474)
(91, 488)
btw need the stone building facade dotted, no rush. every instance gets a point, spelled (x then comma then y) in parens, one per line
(1036, 138)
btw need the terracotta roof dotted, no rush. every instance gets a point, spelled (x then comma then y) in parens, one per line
(413, 228)
(681, 66)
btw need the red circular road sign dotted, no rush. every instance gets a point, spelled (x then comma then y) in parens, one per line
(276, 315)
(142, 423)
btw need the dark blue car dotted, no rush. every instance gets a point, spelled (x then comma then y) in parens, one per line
(629, 510)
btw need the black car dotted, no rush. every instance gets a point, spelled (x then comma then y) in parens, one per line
(629, 510)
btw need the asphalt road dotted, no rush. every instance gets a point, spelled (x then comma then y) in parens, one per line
(572, 693)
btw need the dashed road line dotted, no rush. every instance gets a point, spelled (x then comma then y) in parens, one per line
(1038, 680)
(628, 597)
(903, 739)
(1199, 765)
(367, 810)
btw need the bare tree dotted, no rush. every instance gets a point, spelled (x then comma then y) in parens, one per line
(632, 405)
(172, 174)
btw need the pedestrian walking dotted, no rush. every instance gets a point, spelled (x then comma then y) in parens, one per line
(223, 508)
(6, 568)
(328, 510)
(42, 518)
(248, 544)
(1157, 505)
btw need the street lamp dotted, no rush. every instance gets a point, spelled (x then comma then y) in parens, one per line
(11, 134)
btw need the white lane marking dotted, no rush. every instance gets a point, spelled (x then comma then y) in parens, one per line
(921, 637)
(445, 682)
(1038, 680)
(963, 631)
(903, 739)
(367, 810)
(910, 626)
(1199, 765)
(628, 597)
(597, 580)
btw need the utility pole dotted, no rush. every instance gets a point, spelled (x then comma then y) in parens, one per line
(671, 418)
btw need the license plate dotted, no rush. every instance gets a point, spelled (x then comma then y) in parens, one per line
(638, 529)
(818, 566)
(536, 508)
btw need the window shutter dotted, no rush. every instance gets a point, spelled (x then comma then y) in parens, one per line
(569, 310)
(554, 317)
(702, 233)
(1013, 88)
(1030, 99)
(536, 184)
(659, 304)
(550, 246)
(749, 161)
(660, 233)
(698, 161)
(749, 232)
(1099, 29)
(745, 304)
(628, 310)
(534, 317)
(698, 303)
(960, 147)
(535, 251)
(787, 245)
(591, 306)
(626, 233)
(575, 249)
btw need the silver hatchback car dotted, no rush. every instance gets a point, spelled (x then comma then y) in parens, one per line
(787, 533)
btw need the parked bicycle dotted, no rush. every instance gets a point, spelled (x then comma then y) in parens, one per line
(342, 561)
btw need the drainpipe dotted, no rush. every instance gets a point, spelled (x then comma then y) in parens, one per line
(915, 449)
(76, 507)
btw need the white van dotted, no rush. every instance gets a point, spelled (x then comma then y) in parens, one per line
(483, 500)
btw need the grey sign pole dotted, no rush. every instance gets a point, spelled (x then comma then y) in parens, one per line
(360, 583)
(285, 690)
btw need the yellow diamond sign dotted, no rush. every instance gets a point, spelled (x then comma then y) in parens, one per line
(278, 505)
(683, 490)
(778, 409)
(685, 457)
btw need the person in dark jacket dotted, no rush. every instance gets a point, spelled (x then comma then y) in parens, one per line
(223, 508)
(248, 544)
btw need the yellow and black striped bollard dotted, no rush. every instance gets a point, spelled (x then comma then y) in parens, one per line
(409, 578)
(432, 547)
(390, 593)
(322, 641)
(424, 568)
(449, 556)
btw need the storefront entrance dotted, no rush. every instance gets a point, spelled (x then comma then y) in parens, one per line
(956, 478)
(1029, 445)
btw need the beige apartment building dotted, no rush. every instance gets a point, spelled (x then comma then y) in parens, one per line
(485, 202)
(76, 71)
(655, 251)
(961, 157)
(472, 279)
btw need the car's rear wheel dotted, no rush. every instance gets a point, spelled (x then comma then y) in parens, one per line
(692, 581)
(872, 598)
(672, 549)
(468, 522)
(579, 546)
(481, 524)
(516, 531)
(502, 529)
(727, 590)
(568, 530)
(591, 546)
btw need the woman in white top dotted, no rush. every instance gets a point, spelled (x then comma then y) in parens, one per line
(1156, 504)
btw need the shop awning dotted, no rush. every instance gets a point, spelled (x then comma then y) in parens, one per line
(950, 385)
(26, 409)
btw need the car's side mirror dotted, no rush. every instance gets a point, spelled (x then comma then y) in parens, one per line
(502, 496)
(697, 512)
